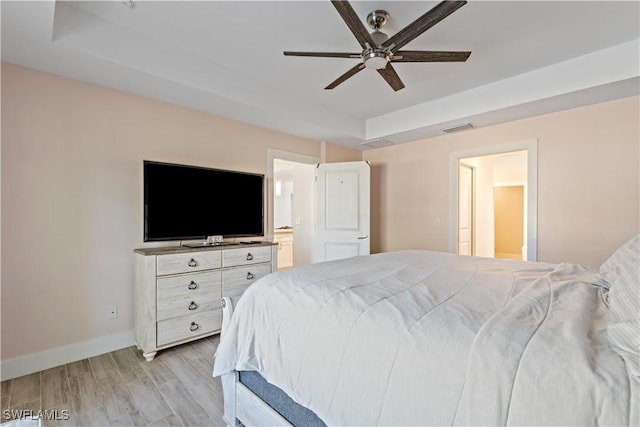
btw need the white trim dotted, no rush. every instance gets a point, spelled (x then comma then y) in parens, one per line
(35, 362)
(531, 145)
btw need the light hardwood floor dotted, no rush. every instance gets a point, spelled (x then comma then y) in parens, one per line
(122, 389)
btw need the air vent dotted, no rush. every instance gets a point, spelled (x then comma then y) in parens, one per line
(458, 128)
(376, 143)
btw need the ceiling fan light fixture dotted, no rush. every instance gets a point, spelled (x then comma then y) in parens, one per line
(375, 60)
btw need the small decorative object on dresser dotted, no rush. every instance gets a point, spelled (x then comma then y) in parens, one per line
(179, 289)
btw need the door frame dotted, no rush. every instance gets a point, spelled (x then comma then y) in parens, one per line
(531, 146)
(272, 155)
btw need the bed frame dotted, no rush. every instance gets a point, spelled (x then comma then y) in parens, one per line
(241, 405)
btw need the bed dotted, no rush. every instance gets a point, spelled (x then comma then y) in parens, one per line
(427, 338)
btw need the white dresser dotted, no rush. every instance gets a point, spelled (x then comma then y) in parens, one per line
(178, 289)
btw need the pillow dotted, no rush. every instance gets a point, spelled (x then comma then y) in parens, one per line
(622, 272)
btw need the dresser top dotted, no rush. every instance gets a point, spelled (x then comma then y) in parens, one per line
(164, 250)
(283, 231)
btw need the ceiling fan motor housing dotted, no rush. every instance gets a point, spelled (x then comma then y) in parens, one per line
(379, 37)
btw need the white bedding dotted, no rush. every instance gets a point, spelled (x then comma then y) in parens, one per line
(426, 338)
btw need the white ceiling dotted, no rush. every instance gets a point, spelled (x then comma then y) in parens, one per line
(225, 57)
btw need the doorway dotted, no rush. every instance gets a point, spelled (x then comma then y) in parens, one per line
(291, 196)
(500, 172)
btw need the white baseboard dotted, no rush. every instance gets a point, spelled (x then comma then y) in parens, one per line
(23, 365)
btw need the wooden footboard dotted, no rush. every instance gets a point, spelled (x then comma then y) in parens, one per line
(241, 405)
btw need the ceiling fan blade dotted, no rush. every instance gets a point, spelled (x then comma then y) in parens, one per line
(345, 76)
(422, 24)
(324, 54)
(354, 23)
(390, 75)
(429, 56)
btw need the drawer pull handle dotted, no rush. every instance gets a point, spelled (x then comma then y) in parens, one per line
(193, 306)
(193, 263)
(249, 276)
(193, 285)
(249, 256)
(194, 326)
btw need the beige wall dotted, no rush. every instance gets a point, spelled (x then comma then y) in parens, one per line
(72, 192)
(338, 153)
(588, 182)
(72, 197)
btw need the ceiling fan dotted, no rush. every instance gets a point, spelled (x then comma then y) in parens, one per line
(379, 50)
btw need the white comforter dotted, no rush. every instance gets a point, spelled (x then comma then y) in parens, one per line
(426, 338)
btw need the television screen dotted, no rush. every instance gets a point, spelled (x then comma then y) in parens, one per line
(188, 202)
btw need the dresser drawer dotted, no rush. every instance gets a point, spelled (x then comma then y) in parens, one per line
(237, 280)
(245, 256)
(191, 326)
(209, 282)
(183, 305)
(187, 262)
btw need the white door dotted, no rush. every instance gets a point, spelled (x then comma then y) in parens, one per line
(342, 228)
(465, 210)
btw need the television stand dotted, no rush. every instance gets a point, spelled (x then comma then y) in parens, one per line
(178, 289)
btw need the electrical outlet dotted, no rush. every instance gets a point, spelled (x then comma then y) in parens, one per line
(112, 312)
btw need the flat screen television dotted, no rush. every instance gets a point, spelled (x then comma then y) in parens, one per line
(188, 202)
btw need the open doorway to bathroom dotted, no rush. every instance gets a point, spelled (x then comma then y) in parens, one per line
(492, 191)
(494, 201)
(292, 192)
